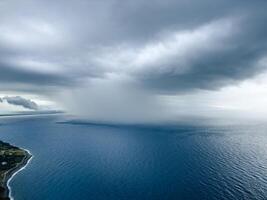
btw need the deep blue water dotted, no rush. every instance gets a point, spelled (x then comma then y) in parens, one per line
(83, 161)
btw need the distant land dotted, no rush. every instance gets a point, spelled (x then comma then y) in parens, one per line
(31, 113)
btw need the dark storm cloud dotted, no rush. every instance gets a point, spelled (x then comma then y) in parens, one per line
(165, 46)
(11, 75)
(20, 101)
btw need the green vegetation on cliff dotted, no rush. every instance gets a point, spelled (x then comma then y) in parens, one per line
(11, 159)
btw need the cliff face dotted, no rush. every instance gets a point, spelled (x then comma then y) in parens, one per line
(3, 193)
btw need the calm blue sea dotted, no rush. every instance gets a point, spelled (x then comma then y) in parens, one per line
(75, 161)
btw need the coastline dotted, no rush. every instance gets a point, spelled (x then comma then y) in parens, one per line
(12, 172)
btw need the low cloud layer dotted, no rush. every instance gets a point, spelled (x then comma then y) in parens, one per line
(151, 48)
(20, 101)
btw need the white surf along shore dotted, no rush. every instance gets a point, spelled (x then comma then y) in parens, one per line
(22, 168)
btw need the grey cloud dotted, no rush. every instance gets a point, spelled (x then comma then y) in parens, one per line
(11, 75)
(211, 56)
(72, 35)
(153, 46)
(20, 101)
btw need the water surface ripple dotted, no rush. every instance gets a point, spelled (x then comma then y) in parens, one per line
(86, 161)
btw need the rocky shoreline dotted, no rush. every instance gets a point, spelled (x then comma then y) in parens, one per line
(7, 175)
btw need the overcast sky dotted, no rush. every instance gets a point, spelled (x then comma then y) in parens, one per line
(136, 60)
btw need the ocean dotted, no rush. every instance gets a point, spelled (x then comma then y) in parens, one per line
(83, 161)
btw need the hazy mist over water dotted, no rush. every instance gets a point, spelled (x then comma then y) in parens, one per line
(90, 161)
